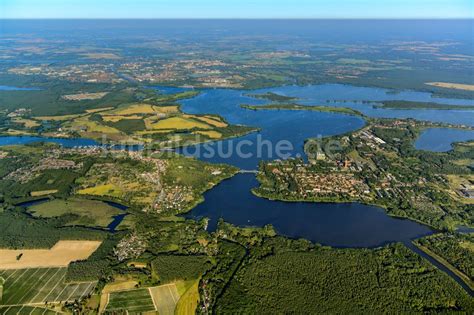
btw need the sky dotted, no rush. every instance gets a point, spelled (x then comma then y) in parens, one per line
(236, 9)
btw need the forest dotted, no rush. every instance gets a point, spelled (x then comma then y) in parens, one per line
(282, 276)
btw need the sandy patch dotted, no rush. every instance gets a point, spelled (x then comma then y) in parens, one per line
(60, 255)
(456, 86)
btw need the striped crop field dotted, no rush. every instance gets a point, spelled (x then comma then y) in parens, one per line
(162, 299)
(26, 310)
(40, 285)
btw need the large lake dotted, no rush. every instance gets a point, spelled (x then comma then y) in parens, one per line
(441, 139)
(297, 126)
(335, 224)
(343, 225)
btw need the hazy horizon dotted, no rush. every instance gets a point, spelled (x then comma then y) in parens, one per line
(235, 9)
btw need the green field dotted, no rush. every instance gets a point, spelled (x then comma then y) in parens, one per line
(40, 285)
(89, 212)
(134, 301)
(162, 299)
(25, 310)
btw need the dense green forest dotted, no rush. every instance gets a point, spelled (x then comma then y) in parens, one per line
(421, 105)
(456, 248)
(175, 267)
(281, 276)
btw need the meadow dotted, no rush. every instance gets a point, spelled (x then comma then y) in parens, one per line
(90, 212)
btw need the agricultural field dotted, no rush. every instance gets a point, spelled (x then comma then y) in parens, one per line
(60, 255)
(179, 123)
(26, 310)
(165, 298)
(90, 212)
(189, 301)
(138, 300)
(211, 134)
(162, 299)
(36, 286)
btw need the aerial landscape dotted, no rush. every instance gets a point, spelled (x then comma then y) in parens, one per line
(254, 158)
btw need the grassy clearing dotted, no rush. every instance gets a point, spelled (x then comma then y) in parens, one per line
(85, 125)
(40, 285)
(211, 134)
(13, 132)
(58, 118)
(191, 172)
(90, 212)
(455, 182)
(464, 162)
(120, 285)
(27, 123)
(116, 118)
(43, 192)
(134, 109)
(111, 190)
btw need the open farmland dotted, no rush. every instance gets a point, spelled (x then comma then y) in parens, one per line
(36, 286)
(162, 299)
(215, 121)
(25, 310)
(189, 300)
(165, 298)
(134, 122)
(60, 255)
(179, 123)
(133, 300)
